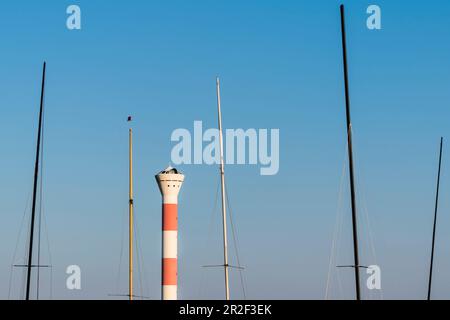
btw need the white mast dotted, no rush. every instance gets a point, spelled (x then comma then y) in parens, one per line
(224, 208)
(130, 212)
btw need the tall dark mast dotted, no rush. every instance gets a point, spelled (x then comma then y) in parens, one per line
(36, 176)
(350, 158)
(435, 218)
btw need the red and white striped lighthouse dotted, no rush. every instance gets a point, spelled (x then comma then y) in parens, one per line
(169, 182)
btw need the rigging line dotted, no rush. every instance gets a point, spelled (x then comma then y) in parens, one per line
(372, 242)
(366, 216)
(339, 243)
(364, 224)
(39, 248)
(143, 279)
(51, 283)
(10, 280)
(25, 258)
(212, 221)
(136, 249)
(339, 238)
(18, 240)
(122, 232)
(45, 231)
(49, 254)
(362, 195)
(372, 239)
(336, 227)
(333, 243)
(40, 204)
(340, 222)
(24, 272)
(140, 258)
(370, 234)
(22, 289)
(233, 231)
(139, 271)
(144, 268)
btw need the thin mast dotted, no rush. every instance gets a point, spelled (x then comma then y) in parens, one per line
(435, 218)
(224, 209)
(130, 209)
(36, 176)
(350, 158)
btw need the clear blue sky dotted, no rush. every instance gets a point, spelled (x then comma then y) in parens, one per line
(280, 67)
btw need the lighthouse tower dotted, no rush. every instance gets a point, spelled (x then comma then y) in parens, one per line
(169, 182)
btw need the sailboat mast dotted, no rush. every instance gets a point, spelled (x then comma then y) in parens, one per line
(435, 219)
(350, 158)
(224, 208)
(130, 211)
(36, 176)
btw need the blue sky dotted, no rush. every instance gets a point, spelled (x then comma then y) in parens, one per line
(280, 66)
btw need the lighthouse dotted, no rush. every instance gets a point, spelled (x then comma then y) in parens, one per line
(169, 182)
